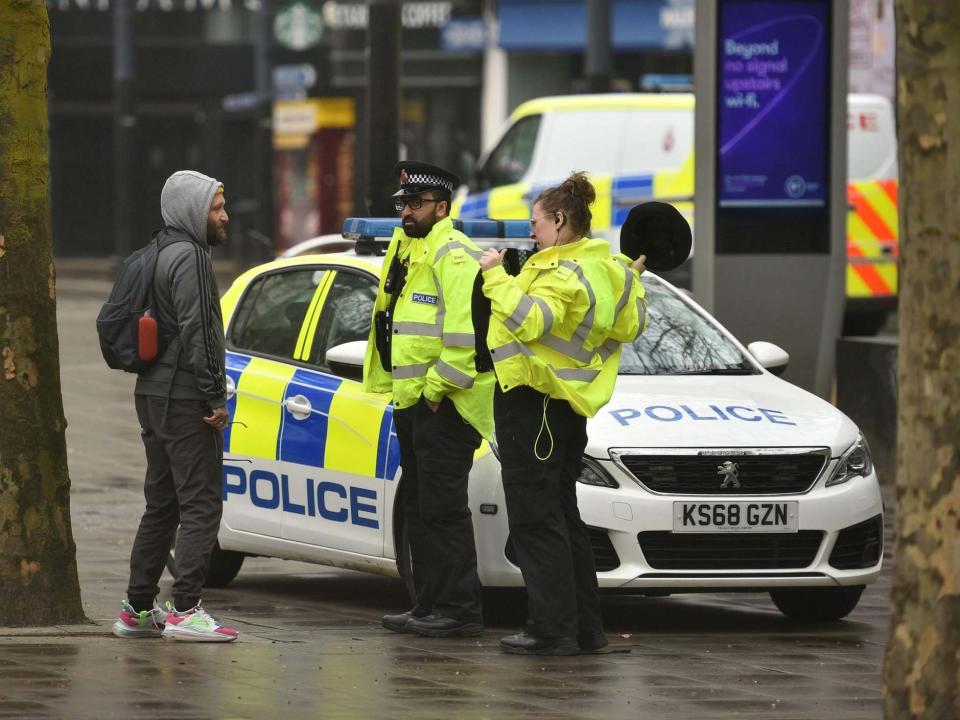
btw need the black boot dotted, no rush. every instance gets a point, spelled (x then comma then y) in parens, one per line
(523, 644)
(441, 626)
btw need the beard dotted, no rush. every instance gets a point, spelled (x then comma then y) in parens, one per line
(419, 229)
(216, 238)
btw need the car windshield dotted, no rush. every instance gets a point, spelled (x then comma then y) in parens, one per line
(680, 341)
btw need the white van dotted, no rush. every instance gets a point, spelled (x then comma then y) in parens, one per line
(639, 147)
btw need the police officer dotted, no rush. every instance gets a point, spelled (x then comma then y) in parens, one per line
(423, 350)
(555, 337)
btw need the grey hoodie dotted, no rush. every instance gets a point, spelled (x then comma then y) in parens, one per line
(186, 297)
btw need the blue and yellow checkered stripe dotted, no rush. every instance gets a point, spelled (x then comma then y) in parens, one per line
(348, 430)
(615, 197)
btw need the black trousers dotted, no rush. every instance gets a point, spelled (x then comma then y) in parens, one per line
(182, 488)
(550, 540)
(436, 454)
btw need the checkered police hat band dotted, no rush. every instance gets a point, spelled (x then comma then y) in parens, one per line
(427, 179)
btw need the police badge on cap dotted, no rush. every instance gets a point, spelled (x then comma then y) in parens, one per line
(418, 177)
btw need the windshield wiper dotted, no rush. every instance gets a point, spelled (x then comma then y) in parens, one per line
(718, 371)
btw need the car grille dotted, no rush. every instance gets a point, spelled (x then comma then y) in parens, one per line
(698, 474)
(729, 551)
(858, 546)
(605, 558)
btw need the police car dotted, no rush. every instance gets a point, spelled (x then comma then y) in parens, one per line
(704, 472)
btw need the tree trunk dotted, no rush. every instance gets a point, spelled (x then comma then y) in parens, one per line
(38, 567)
(921, 675)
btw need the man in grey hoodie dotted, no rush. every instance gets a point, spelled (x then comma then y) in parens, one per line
(181, 406)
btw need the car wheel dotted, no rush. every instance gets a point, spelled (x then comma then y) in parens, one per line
(817, 604)
(405, 561)
(224, 565)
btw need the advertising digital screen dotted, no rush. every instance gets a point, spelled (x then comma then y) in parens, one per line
(773, 104)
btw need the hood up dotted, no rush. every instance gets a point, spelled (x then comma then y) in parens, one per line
(185, 203)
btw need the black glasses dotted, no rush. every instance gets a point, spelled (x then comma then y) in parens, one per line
(415, 202)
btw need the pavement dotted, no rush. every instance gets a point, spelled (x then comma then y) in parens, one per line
(311, 644)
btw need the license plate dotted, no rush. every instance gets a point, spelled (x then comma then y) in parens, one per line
(736, 516)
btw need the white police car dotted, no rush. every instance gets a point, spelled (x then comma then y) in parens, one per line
(704, 472)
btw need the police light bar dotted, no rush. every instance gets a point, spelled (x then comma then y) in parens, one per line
(485, 233)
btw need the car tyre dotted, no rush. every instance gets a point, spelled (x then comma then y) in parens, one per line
(817, 604)
(224, 565)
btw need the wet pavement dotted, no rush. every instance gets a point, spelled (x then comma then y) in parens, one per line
(312, 646)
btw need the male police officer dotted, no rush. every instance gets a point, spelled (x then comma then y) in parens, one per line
(422, 349)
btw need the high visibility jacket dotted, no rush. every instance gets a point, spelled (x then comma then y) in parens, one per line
(559, 325)
(433, 344)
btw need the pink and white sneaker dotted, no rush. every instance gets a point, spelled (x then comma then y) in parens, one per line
(139, 624)
(195, 625)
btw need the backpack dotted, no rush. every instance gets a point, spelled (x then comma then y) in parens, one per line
(130, 338)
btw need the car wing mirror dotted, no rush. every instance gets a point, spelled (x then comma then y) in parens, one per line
(346, 360)
(771, 357)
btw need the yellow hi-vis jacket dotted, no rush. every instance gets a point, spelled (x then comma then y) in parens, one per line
(559, 325)
(433, 346)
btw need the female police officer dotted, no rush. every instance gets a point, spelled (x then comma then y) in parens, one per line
(555, 336)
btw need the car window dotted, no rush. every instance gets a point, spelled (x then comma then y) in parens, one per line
(346, 313)
(590, 140)
(510, 159)
(678, 340)
(271, 312)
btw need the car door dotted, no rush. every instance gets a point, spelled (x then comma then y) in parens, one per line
(502, 188)
(265, 336)
(337, 444)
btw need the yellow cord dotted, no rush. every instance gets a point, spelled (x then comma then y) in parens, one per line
(543, 424)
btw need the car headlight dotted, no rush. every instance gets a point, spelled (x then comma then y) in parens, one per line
(592, 473)
(855, 462)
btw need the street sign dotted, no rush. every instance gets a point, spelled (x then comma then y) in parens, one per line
(298, 26)
(464, 33)
(294, 77)
(239, 102)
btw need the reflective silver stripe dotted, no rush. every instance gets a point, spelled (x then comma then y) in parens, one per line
(459, 339)
(509, 350)
(608, 349)
(448, 372)
(475, 254)
(586, 325)
(418, 328)
(627, 286)
(406, 372)
(519, 315)
(577, 374)
(641, 314)
(547, 313)
(570, 348)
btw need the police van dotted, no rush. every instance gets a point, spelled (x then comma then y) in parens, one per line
(706, 471)
(639, 147)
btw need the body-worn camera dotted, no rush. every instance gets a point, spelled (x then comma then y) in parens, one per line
(383, 320)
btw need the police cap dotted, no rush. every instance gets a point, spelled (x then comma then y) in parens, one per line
(660, 232)
(418, 177)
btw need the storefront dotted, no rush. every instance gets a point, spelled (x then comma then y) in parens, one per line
(545, 41)
(194, 73)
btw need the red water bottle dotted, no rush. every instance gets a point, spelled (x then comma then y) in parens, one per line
(147, 338)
